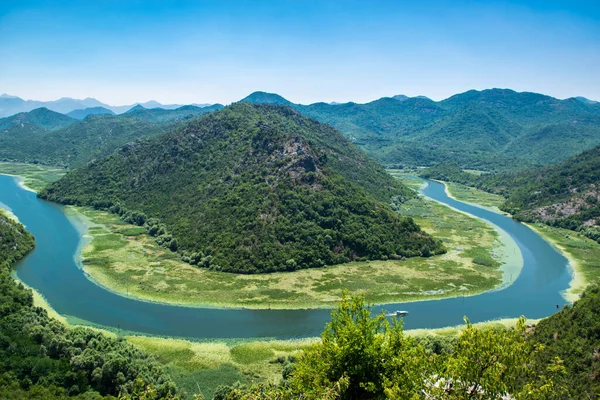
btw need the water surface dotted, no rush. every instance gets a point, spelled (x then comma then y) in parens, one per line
(52, 270)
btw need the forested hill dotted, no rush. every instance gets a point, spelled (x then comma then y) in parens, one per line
(40, 118)
(46, 137)
(496, 129)
(566, 194)
(253, 188)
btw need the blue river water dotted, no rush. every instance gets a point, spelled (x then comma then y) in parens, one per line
(52, 270)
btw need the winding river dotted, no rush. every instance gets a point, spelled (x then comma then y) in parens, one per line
(52, 270)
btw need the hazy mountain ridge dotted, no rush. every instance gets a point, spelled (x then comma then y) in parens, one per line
(40, 118)
(10, 105)
(82, 113)
(253, 188)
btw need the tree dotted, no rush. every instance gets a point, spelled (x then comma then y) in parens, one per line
(361, 355)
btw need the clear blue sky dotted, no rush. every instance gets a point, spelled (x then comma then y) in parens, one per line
(219, 51)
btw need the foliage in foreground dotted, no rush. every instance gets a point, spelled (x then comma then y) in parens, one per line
(253, 189)
(368, 357)
(42, 358)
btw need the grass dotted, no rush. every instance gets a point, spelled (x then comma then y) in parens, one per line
(471, 195)
(35, 177)
(124, 259)
(201, 367)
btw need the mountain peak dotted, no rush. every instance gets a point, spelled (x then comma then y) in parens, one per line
(585, 100)
(83, 113)
(265, 98)
(137, 107)
(400, 97)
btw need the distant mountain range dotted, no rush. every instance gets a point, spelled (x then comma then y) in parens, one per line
(48, 137)
(494, 129)
(10, 105)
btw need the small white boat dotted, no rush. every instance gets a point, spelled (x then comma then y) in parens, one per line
(401, 313)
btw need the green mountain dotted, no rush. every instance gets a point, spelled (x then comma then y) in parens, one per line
(46, 137)
(265, 98)
(585, 100)
(496, 129)
(253, 188)
(82, 113)
(500, 129)
(39, 118)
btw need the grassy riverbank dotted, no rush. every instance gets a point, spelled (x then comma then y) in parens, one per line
(471, 195)
(201, 367)
(35, 177)
(583, 255)
(123, 258)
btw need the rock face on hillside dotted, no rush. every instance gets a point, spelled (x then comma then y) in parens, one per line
(253, 188)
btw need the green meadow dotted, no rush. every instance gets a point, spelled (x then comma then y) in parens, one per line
(199, 367)
(472, 195)
(35, 177)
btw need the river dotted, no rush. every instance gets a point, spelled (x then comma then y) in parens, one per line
(53, 271)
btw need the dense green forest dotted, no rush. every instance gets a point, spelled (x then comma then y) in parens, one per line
(47, 137)
(253, 189)
(40, 358)
(565, 195)
(495, 129)
(366, 356)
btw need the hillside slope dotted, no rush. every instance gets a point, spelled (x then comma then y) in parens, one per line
(40, 118)
(253, 188)
(565, 195)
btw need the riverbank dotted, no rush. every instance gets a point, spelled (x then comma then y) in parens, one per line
(509, 252)
(582, 253)
(204, 365)
(122, 258)
(473, 196)
(32, 177)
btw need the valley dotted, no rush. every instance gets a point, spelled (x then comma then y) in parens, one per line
(299, 200)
